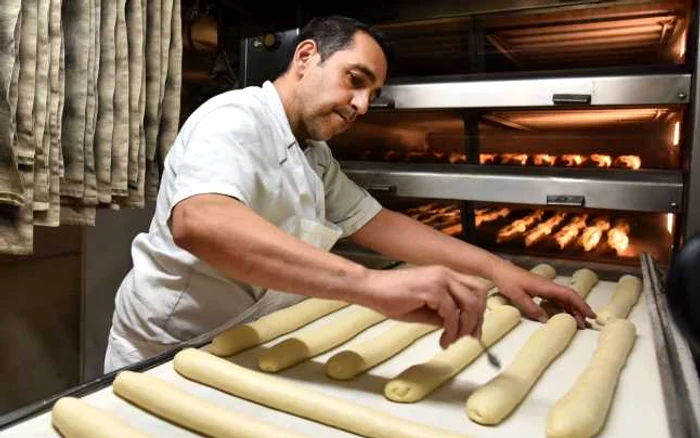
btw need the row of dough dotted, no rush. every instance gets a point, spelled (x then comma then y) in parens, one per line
(349, 363)
(414, 384)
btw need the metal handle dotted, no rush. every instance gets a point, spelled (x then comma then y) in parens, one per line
(389, 188)
(566, 200)
(571, 99)
(380, 103)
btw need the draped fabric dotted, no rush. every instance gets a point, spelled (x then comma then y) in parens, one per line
(89, 107)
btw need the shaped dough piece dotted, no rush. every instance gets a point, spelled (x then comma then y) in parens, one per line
(416, 382)
(297, 399)
(272, 326)
(583, 410)
(349, 363)
(491, 403)
(177, 406)
(311, 343)
(76, 419)
(543, 270)
(582, 282)
(625, 297)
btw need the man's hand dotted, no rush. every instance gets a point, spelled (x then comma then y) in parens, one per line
(521, 286)
(429, 294)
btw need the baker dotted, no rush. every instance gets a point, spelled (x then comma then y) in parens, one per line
(251, 201)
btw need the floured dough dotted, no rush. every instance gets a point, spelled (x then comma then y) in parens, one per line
(543, 270)
(297, 399)
(349, 363)
(583, 410)
(271, 326)
(416, 382)
(491, 403)
(76, 419)
(310, 343)
(202, 416)
(582, 282)
(626, 295)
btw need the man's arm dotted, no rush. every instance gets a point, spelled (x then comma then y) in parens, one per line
(403, 238)
(234, 239)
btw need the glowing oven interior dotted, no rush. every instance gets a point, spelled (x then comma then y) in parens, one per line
(617, 138)
(593, 235)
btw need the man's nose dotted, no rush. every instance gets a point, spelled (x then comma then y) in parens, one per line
(360, 101)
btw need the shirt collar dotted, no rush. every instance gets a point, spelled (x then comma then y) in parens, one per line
(279, 119)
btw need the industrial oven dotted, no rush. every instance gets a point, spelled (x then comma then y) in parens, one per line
(560, 133)
(551, 131)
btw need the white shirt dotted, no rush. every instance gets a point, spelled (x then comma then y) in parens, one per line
(238, 144)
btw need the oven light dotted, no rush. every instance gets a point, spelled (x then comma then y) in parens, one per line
(681, 45)
(677, 133)
(670, 219)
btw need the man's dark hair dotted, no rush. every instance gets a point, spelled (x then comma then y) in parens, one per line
(334, 33)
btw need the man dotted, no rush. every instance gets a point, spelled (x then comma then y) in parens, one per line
(251, 201)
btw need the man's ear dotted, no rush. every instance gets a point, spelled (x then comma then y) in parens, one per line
(304, 56)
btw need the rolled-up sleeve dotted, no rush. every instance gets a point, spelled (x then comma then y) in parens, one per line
(347, 205)
(216, 159)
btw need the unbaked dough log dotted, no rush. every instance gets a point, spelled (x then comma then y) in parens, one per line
(310, 343)
(416, 382)
(491, 403)
(349, 363)
(625, 297)
(76, 419)
(271, 326)
(583, 410)
(297, 399)
(177, 406)
(543, 270)
(582, 282)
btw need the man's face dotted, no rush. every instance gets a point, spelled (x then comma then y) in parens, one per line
(330, 95)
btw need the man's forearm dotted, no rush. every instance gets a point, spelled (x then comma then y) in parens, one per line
(402, 238)
(232, 238)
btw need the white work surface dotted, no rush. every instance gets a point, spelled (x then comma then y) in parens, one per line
(638, 408)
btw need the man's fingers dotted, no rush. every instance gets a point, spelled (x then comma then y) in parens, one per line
(449, 312)
(530, 309)
(568, 299)
(479, 325)
(580, 320)
(423, 315)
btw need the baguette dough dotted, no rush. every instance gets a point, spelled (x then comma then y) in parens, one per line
(297, 399)
(271, 326)
(491, 403)
(76, 419)
(626, 295)
(583, 410)
(582, 282)
(349, 363)
(177, 406)
(543, 270)
(416, 382)
(311, 343)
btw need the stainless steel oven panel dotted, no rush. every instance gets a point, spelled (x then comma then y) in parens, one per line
(642, 190)
(692, 219)
(540, 92)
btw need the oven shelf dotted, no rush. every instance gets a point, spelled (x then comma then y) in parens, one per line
(616, 189)
(656, 89)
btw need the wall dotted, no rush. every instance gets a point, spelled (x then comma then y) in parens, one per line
(56, 305)
(40, 318)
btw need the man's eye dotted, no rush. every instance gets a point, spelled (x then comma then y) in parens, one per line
(354, 79)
